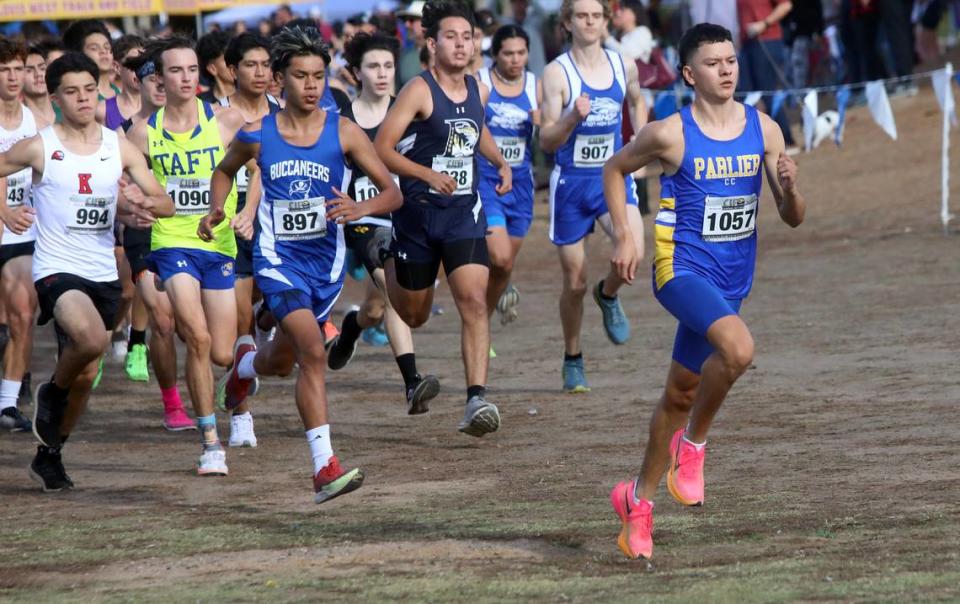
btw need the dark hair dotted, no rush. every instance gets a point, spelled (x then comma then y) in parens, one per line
(697, 36)
(11, 49)
(77, 33)
(209, 47)
(296, 42)
(71, 62)
(505, 33)
(241, 45)
(127, 43)
(436, 11)
(142, 65)
(156, 48)
(363, 43)
(424, 55)
(44, 47)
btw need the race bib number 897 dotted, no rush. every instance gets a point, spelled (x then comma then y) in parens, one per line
(729, 218)
(299, 219)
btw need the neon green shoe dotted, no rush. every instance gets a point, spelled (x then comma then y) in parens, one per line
(493, 353)
(96, 380)
(136, 364)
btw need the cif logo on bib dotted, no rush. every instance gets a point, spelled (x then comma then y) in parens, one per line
(462, 138)
(604, 111)
(300, 187)
(507, 115)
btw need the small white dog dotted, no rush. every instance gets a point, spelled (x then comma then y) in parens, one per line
(825, 127)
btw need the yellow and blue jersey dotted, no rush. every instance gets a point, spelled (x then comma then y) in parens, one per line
(706, 225)
(183, 163)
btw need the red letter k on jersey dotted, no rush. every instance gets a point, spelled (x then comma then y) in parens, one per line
(85, 184)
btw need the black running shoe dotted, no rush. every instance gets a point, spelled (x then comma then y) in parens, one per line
(343, 347)
(26, 391)
(11, 419)
(47, 469)
(48, 416)
(424, 389)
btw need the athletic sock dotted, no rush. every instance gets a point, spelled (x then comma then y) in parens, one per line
(9, 393)
(633, 492)
(408, 368)
(698, 446)
(572, 357)
(350, 330)
(171, 398)
(137, 337)
(208, 431)
(320, 446)
(603, 296)
(475, 390)
(245, 368)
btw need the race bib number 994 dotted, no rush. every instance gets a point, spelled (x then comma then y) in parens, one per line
(729, 218)
(91, 214)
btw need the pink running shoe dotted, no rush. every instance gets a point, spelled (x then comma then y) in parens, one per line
(685, 476)
(636, 536)
(177, 420)
(231, 388)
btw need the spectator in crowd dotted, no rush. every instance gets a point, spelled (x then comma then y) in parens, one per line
(762, 53)
(409, 65)
(719, 12)
(213, 69)
(265, 27)
(895, 23)
(528, 16)
(631, 36)
(802, 26)
(282, 16)
(926, 18)
(860, 26)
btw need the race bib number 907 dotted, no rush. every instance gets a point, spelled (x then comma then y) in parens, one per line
(592, 150)
(729, 218)
(299, 219)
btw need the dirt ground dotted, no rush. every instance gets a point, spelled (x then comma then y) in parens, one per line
(831, 474)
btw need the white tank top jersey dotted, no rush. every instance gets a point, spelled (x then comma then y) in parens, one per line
(76, 202)
(20, 183)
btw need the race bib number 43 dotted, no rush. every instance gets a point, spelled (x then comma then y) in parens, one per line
(592, 150)
(299, 219)
(729, 218)
(512, 148)
(460, 169)
(90, 214)
(189, 195)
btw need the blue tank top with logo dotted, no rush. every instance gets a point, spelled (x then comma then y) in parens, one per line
(510, 123)
(600, 135)
(707, 223)
(445, 142)
(297, 181)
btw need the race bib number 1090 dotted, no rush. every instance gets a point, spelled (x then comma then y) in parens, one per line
(189, 195)
(729, 218)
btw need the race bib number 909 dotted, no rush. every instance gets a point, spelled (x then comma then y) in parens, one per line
(729, 218)
(512, 148)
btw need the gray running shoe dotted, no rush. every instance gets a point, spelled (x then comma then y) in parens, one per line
(418, 395)
(507, 305)
(479, 418)
(11, 419)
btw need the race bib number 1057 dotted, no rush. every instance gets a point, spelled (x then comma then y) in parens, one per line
(729, 218)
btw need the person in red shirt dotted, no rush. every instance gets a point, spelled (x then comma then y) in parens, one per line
(762, 52)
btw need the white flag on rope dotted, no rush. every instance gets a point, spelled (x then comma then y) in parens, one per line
(810, 110)
(944, 93)
(879, 105)
(753, 98)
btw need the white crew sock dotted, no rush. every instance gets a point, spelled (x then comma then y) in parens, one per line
(320, 447)
(245, 367)
(9, 392)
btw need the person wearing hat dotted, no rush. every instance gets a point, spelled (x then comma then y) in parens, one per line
(409, 65)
